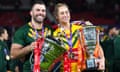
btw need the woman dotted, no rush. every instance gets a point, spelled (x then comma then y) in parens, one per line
(68, 34)
(3, 50)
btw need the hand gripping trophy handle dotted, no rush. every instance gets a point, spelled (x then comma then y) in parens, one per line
(37, 54)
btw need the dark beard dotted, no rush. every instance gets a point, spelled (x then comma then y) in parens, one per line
(37, 21)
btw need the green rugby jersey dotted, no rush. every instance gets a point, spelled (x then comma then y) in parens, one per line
(25, 35)
(3, 61)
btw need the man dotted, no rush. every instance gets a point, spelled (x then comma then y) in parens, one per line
(110, 45)
(24, 39)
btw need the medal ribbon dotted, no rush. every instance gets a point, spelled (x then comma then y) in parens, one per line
(67, 61)
(6, 54)
(37, 50)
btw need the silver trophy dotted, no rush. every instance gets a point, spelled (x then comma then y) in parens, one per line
(90, 35)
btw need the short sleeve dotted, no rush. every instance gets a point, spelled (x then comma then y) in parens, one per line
(19, 38)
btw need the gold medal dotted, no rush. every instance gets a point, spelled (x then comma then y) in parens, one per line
(71, 55)
(7, 57)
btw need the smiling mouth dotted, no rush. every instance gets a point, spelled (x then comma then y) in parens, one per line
(40, 16)
(65, 19)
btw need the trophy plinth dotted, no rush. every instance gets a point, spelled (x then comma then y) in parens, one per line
(90, 35)
(90, 63)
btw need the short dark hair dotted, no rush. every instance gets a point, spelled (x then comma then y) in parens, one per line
(37, 2)
(111, 27)
(2, 30)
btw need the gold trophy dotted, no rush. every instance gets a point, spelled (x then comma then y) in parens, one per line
(90, 40)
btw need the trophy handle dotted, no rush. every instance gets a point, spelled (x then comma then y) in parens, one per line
(99, 53)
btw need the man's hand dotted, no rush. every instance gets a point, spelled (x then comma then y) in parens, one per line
(33, 45)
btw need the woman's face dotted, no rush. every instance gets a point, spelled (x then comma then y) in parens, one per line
(5, 35)
(63, 14)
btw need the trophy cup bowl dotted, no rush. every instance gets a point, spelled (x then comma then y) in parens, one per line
(90, 35)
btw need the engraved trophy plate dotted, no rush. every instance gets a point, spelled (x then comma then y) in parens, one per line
(90, 43)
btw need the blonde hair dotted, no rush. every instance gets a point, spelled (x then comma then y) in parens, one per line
(57, 8)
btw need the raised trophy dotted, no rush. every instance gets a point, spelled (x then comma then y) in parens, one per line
(90, 36)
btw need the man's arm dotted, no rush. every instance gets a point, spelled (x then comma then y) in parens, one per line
(18, 51)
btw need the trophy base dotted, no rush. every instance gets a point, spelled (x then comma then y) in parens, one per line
(90, 64)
